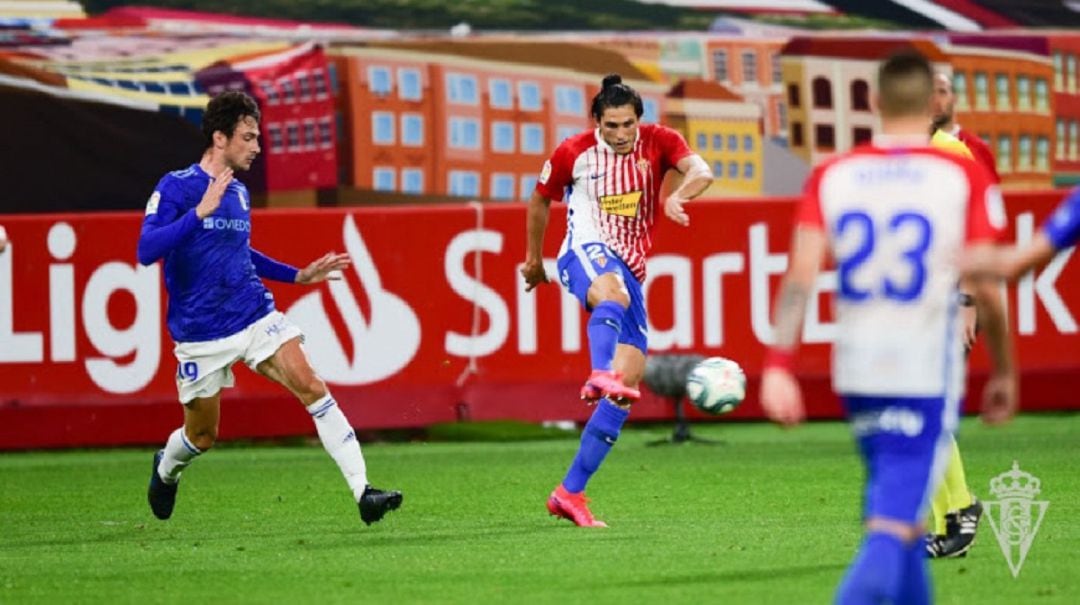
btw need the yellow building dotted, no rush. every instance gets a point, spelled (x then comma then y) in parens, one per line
(725, 130)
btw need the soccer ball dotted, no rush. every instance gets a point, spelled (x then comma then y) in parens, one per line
(716, 385)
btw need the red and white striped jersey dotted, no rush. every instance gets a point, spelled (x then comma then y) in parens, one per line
(897, 220)
(613, 198)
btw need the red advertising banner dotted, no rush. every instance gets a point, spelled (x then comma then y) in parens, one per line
(432, 322)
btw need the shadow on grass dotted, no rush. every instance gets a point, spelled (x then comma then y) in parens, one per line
(741, 575)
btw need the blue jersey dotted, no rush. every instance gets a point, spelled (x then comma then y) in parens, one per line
(210, 273)
(1063, 228)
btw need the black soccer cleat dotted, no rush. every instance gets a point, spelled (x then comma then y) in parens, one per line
(960, 533)
(375, 503)
(161, 495)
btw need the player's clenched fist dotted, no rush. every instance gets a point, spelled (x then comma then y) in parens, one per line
(212, 198)
(534, 274)
(781, 397)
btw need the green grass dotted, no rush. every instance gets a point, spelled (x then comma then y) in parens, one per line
(768, 517)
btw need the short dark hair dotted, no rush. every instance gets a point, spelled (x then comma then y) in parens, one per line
(613, 93)
(224, 111)
(905, 84)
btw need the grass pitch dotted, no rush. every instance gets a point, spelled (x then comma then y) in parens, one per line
(770, 516)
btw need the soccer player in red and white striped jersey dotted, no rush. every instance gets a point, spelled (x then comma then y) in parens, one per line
(610, 177)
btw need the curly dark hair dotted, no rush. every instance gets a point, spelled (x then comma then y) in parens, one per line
(224, 111)
(613, 93)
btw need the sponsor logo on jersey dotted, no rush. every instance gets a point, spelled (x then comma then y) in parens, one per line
(545, 172)
(623, 204)
(152, 203)
(226, 224)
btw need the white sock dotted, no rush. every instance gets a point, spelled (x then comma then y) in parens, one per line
(339, 440)
(179, 452)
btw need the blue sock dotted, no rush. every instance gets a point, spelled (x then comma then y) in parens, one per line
(876, 573)
(596, 441)
(915, 588)
(605, 323)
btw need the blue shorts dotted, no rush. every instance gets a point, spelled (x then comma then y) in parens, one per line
(581, 264)
(905, 450)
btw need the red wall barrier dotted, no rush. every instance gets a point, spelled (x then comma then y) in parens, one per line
(431, 324)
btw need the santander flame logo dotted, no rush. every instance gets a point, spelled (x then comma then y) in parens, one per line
(382, 344)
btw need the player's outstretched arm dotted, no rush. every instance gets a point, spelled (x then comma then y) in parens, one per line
(781, 397)
(323, 268)
(696, 179)
(1000, 394)
(536, 220)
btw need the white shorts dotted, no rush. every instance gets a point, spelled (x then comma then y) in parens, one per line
(204, 368)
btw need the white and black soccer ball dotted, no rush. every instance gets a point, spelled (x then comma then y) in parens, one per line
(716, 385)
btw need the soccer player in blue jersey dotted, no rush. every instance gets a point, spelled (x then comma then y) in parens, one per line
(199, 221)
(895, 216)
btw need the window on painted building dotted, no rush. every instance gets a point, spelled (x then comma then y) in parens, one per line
(382, 128)
(532, 138)
(564, 132)
(781, 116)
(179, 88)
(318, 83)
(292, 136)
(732, 142)
(747, 143)
(718, 169)
(502, 186)
(288, 90)
(332, 75)
(461, 89)
(860, 135)
(960, 89)
(720, 67)
(1070, 72)
(569, 100)
(650, 111)
(1058, 71)
(464, 183)
(1001, 92)
(777, 71)
(732, 170)
(1042, 95)
(1023, 152)
(382, 179)
(499, 94)
(464, 133)
(311, 139)
(982, 91)
(409, 84)
(326, 133)
(379, 81)
(502, 137)
(1004, 154)
(822, 91)
(824, 137)
(1061, 139)
(702, 141)
(749, 66)
(1042, 154)
(1023, 93)
(529, 96)
(277, 141)
(860, 95)
(1074, 139)
(412, 129)
(793, 95)
(717, 141)
(796, 134)
(528, 185)
(304, 86)
(412, 180)
(748, 170)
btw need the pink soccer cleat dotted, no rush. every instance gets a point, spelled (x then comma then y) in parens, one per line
(605, 383)
(574, 507)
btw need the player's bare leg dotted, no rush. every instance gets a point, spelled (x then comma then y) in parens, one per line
(289, 367)
(202, 417)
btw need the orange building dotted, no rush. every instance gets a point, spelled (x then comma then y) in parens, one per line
(1002, 86)
(468, 119)
(1065, 57)
(751, 68)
